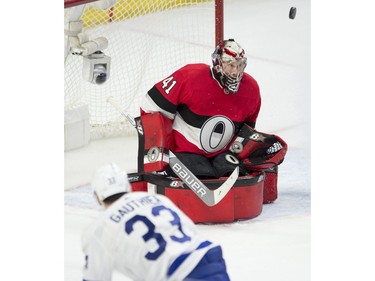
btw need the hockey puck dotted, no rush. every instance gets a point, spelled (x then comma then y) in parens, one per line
(292, 12)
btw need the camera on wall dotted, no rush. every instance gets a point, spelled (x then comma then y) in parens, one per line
(96, 67)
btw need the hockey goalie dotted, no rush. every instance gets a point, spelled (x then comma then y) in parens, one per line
(204, 116)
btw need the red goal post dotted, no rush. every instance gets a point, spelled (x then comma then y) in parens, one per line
(147, 40)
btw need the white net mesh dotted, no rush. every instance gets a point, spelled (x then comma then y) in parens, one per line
(148, 40)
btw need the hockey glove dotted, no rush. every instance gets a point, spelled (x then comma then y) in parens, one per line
(257, 150)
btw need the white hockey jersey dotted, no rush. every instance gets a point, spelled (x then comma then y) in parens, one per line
(145, 237)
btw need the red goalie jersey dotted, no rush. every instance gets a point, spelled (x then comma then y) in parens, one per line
(205, 118)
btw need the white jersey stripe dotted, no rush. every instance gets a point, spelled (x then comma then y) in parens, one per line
(189, 132)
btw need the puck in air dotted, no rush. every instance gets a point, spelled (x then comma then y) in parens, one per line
(292, 12)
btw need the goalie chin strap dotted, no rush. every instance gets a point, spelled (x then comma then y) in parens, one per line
(209, 197)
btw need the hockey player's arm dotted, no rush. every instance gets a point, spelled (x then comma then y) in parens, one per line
(97, 265)
(257, 103)
(164, 96)
(154, 101)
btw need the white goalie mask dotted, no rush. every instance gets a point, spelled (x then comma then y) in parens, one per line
(229, 63)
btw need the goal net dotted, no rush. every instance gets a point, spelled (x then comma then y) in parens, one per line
(147, 40)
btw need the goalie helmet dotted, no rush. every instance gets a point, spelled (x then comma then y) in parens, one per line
(109, 180)
(229, 63)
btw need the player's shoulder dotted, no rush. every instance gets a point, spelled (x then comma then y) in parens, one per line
(249, 83)
(247, 78)
(195, 67)
(144, 197)
(192, 69)
(92, 231)
(140, 197)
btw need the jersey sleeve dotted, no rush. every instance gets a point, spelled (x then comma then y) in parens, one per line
(251, 121)
(255, 101)
(165, 95)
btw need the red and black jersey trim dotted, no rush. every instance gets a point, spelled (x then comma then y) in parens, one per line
(161, 101)
(197, 121)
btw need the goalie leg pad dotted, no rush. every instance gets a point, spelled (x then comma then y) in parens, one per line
(154, 142)
(270, 185)
(243, 201)
(139, 186)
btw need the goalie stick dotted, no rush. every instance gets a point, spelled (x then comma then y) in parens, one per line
(123, 113)
(209, 197)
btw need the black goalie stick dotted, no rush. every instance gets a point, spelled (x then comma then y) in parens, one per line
(208, 196)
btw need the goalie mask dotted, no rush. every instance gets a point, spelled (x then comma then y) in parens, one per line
(229, 63)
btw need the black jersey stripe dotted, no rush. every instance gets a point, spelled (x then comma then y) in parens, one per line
(196, 120)
(161, 101)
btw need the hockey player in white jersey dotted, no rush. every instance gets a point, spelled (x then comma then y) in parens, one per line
(145, 237)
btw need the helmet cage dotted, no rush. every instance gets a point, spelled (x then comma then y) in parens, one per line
(223, 55)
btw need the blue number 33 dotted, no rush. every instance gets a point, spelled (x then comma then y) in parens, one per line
(151, 234)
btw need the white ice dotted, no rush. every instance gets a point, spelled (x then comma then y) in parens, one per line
(276, 245)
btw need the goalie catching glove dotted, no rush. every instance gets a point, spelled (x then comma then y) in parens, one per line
(257, 150)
